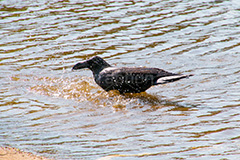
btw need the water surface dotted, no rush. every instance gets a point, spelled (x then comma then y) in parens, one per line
(47, 109)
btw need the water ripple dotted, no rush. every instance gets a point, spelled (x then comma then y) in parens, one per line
(48, 109)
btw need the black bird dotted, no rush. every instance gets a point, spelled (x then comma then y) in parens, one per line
(126, 79)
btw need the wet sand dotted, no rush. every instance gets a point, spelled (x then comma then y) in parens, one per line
(8, 153)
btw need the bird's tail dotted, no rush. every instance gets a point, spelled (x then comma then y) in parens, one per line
(172, 78)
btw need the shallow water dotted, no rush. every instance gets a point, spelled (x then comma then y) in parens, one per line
(49, 110)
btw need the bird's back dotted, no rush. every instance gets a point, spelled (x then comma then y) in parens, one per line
(127, 79)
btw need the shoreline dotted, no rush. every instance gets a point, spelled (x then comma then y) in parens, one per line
(10, 153)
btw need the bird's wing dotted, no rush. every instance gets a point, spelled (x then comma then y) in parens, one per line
(136, 71)
(156, 75)
(146, 71)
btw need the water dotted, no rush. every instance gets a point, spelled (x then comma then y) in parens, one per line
(51, 111)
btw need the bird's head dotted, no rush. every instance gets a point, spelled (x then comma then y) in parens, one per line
(95, 64)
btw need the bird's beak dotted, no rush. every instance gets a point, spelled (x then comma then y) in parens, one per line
(80, 65)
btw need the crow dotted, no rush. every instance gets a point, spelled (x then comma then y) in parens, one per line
(126, 79)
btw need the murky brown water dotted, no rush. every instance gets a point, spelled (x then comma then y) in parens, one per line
(49, 110)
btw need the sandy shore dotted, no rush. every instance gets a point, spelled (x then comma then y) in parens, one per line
(8, 153)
